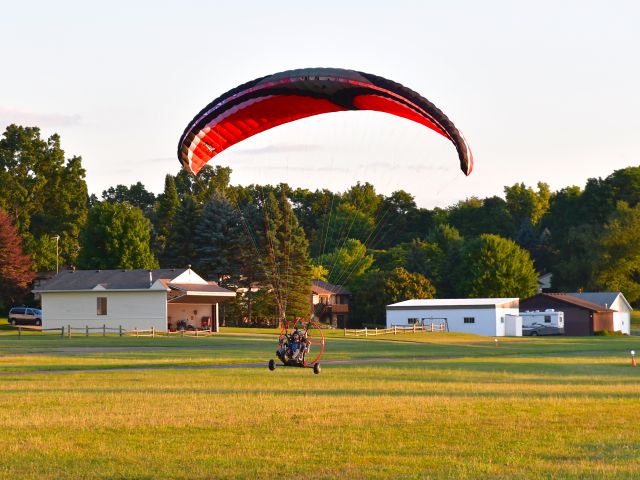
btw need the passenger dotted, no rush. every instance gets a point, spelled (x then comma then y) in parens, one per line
(295, 345)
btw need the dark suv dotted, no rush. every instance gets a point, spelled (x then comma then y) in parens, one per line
(25, 316)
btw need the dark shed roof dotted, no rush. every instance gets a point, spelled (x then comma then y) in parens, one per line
(578, 302)
(108, 279)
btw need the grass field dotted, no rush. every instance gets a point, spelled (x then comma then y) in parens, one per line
(530, 408)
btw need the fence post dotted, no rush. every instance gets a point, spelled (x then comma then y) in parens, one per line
(376, 331)
(153, 331)
(345, 332)
(196, 332)
(182, 333)
(104, 330)
(69, 331)
(19, 332)
(366, 332)
(136, 331)
(395, 329)
(86, 329)
(414, 328)
(62, 331)
(120, 329)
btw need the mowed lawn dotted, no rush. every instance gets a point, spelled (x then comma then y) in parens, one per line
(530, 408)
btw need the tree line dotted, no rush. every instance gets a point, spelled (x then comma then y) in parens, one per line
(269, 241)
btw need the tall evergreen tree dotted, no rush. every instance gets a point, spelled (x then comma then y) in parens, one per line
(287, 256)
(167, 207)
(181, 249)
(219, 241)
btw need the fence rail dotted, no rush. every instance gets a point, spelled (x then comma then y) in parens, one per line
(395, 330)
(86, 331)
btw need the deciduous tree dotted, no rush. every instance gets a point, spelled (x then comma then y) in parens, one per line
(15, 266)
(116, 236)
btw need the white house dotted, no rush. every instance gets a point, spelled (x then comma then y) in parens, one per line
(614, 301)
(483, 316)
(131, 299)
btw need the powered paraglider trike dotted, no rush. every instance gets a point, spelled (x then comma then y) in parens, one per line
(301, 344)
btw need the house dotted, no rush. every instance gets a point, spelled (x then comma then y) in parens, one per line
(614, 301)
(482, 316)
(330, 303)
(581, 317)
(544, 282)
(131, 299)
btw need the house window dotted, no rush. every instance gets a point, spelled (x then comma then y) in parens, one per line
(469, 319)
(412, 321)
(547, 319)
(102, 305)
(501, 319)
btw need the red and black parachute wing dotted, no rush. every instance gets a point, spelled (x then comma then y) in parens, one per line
(284, 97)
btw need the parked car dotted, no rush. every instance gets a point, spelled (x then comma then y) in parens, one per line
(536, 329)
(25, 316)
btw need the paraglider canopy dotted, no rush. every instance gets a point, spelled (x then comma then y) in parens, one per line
(284, 97)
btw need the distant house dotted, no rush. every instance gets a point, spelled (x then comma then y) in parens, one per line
(482, 316)
(614, 301)
(544, 282)
(131, 298)
(330, 303)
(581, 317)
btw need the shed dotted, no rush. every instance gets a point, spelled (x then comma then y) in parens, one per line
(130, 299)
(581, 317)
(616, 302)
(482, 316)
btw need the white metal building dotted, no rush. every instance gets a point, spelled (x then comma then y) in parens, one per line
(614, 301)
(131, 299)
(482, 316)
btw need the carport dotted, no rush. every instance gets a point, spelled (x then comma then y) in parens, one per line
(195, 305)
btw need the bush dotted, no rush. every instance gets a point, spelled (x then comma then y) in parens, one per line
(608, 333)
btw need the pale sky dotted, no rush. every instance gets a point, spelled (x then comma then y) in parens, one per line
(544, 90)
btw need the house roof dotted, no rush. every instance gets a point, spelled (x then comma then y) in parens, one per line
(578, 302)
(325, 288)
(196, 288)
(601, 298)
(108, 279)
(454, 302)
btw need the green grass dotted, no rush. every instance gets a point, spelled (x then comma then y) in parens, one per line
(531, 408)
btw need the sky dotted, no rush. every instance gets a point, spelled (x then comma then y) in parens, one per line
(543, 91)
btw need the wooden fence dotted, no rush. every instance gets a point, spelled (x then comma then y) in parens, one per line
(395, 330)
(86, 331)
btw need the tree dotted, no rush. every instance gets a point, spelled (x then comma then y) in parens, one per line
(166, 210)
(44, 195)
(181, 248)
(377, 289)
(347, 263)
(136, 195)
(15, 266)
(474, 216)
(116, 236)
(618, 263)
(525, 204)
(492, 266)
(396, 213)
(201, 187)
(286, 255)
(219, 240)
